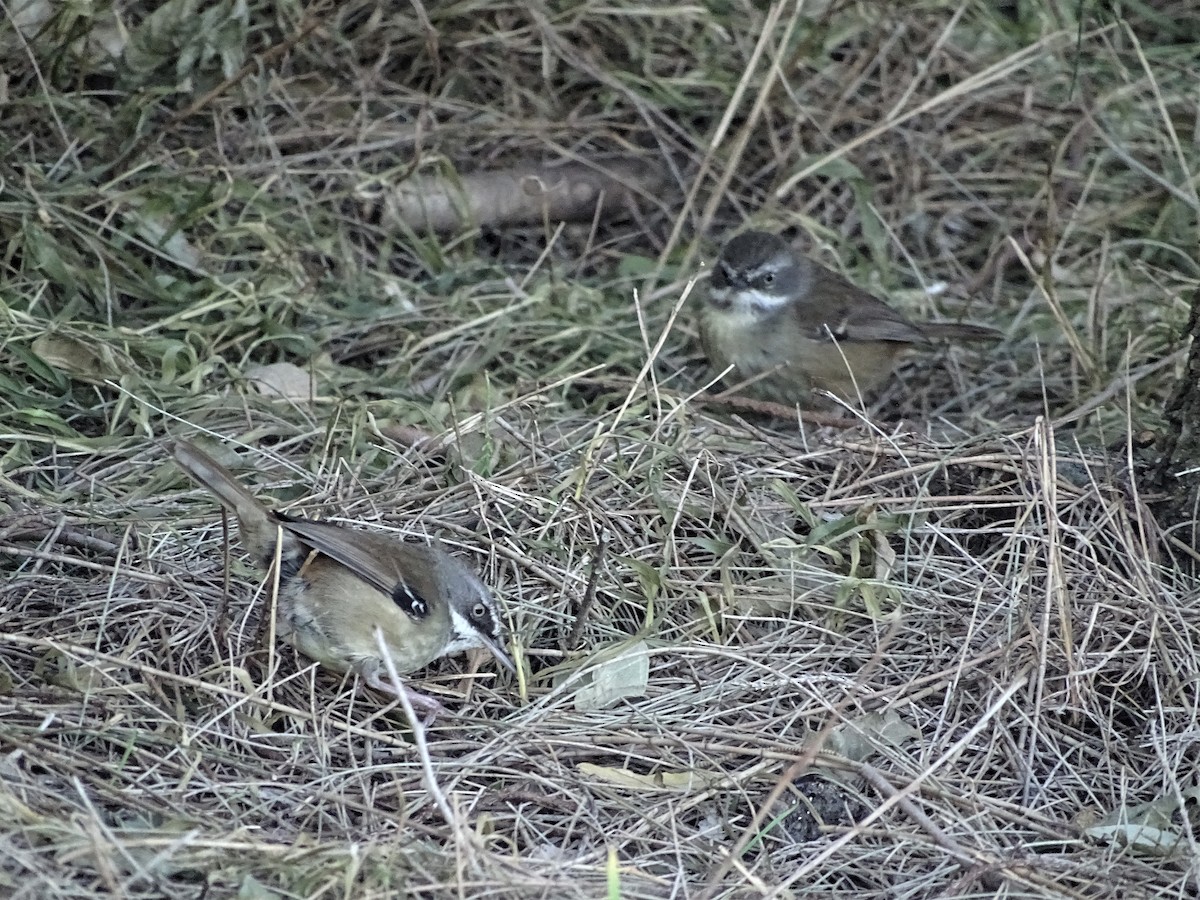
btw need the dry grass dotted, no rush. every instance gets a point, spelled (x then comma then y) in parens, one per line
(988, 597)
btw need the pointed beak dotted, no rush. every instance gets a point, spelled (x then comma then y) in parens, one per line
(498, 651)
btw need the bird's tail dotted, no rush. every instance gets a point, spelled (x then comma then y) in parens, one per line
(258, 528)
(959, 331)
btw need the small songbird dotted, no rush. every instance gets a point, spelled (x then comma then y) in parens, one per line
(338, 585)
(794, 325)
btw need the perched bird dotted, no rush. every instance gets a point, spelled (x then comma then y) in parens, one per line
(775, 315)
(338, 585)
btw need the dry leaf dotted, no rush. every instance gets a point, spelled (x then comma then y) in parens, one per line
(283, 380)
(859, 738)
(92, 361)
(625, 675)
(1150, 828)
(659, 781)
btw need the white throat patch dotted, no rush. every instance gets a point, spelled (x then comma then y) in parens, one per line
(464, 635)
(751, 302)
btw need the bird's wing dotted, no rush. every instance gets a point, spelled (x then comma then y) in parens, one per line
(382, 562)
(839, 308)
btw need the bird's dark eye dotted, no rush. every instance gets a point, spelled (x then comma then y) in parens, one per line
(479, 612)
(768, 279)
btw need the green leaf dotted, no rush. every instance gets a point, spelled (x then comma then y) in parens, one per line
(38, 366)
(648, 577)
(633, 266)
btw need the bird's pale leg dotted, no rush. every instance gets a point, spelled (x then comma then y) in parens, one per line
(428, 705)
(476, 656)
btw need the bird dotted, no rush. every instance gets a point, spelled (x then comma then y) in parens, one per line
(339, 585)
(793, 326)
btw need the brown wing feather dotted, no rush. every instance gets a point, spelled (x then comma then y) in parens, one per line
(850, 313)
(382, 562)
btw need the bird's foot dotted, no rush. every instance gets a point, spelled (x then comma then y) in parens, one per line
(427, 707)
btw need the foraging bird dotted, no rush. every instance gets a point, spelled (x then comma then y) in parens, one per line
(338, 585)
(775, 313)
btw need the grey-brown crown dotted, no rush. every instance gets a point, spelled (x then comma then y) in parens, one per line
(762, 262)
